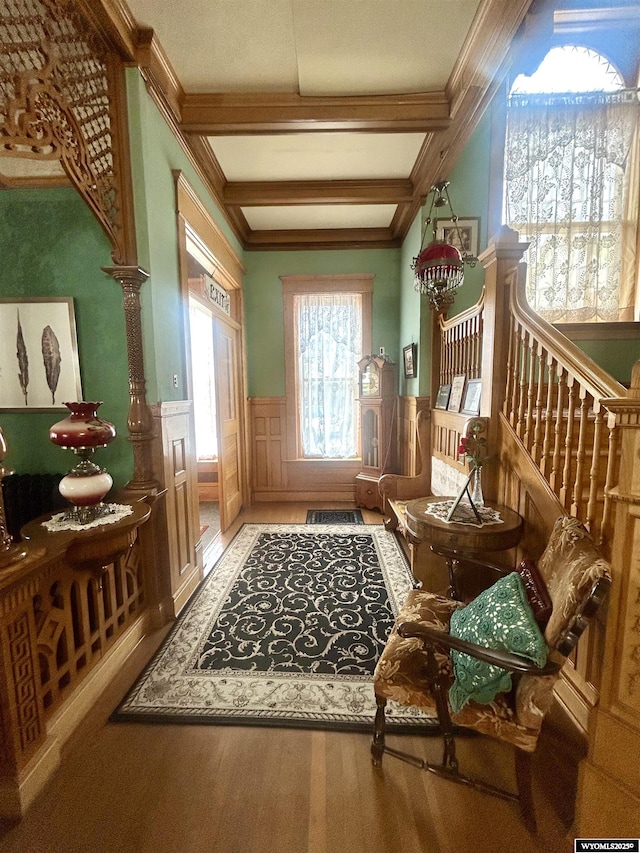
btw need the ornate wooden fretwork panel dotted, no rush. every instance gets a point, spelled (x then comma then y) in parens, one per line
(58, 92)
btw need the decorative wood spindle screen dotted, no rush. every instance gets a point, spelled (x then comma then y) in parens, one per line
(60, 87)
(80, 619)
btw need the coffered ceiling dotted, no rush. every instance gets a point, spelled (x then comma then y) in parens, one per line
(321, 123)
(328, 119)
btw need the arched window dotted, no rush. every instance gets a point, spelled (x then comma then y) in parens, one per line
(571, 180)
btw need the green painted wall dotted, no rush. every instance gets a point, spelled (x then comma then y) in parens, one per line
(412, 328)
(53, 246)
(616, 357)
(155, 153)
(468, 190)
(264, 306)
(469, 193)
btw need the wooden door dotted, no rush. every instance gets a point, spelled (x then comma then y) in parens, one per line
(226, 344)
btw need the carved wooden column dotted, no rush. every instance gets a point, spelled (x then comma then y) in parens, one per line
(140, 419)
(608, 801)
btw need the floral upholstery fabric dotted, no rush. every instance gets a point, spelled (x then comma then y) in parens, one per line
(570, 565)
(401, 677)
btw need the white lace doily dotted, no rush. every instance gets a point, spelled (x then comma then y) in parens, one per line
(464, 514)
(113, 513)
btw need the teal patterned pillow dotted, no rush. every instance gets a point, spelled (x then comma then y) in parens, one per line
(499, 618)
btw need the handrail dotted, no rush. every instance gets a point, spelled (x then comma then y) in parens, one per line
(576, 361)
(552, 395)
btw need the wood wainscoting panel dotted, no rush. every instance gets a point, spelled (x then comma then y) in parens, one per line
(409, 463)
(176, 470)
(267, 417)
(277, 478)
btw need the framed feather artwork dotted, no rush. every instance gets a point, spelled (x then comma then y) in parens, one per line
(39, 366)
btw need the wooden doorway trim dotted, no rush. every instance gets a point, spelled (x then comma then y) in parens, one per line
(196, 225)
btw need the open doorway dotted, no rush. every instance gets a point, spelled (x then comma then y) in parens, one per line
(206, 431)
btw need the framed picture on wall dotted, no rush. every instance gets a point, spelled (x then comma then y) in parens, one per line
(455, 398)
(39, 366)
(464, 237)
(409, 354)
(471, 402)
(442, 400)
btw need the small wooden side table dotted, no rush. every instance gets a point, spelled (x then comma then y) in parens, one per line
(462, 539)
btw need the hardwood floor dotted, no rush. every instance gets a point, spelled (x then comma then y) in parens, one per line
(136, 788)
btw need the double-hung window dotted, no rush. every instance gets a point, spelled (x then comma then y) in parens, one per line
(327, 331)
(571, 163)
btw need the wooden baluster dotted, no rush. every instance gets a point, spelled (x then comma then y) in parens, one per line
(592, 504)
(611, 479)
(531, 356)
(510, 392)
(536, 450)
(546, 462)
(560, 473)
(446, 358)
(444, 367)
(578, 485)
(522, 388)
(468, 365)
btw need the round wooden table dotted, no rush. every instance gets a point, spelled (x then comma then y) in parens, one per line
(462, 539)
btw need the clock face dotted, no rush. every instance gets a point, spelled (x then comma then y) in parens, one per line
(370, 382)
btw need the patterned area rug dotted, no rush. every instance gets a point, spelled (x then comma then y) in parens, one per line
(285, 631)
(334, 516)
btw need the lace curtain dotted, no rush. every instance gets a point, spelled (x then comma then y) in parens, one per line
(571, 178)
(329, 337)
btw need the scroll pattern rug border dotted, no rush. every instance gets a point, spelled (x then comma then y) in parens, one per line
(171, 691)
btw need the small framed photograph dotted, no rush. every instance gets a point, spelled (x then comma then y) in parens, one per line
(39, 367)
(442, 400)
(455, 398)
(409, 354)
(471, 402)
(463, 234)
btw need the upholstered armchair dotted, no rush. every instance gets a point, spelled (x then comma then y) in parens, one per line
(490, 665)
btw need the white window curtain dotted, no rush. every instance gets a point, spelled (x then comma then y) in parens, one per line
(328, 330)
(571, 190)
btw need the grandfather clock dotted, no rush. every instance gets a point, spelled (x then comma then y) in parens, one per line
(378, 417)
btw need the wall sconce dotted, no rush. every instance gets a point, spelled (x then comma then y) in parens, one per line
(86, 484)
(439, 267)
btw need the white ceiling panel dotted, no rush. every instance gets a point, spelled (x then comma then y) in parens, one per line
(319, 216)
(225, 45)
(371, 47)
(317, 156)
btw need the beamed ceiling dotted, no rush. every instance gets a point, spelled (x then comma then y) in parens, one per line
(324, 123)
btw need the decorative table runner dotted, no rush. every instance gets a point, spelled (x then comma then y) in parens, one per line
(113, 513)
(464, 514)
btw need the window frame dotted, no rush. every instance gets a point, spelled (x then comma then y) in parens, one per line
(293, 285)
(598, 329)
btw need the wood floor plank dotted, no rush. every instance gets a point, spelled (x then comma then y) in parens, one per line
(136, 788)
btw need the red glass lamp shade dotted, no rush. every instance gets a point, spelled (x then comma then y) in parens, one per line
(82, 428)
(86, 484)
(439, 271)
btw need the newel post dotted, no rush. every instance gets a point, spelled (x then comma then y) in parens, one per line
(608, 799)
(139, 419)
(501, 258)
